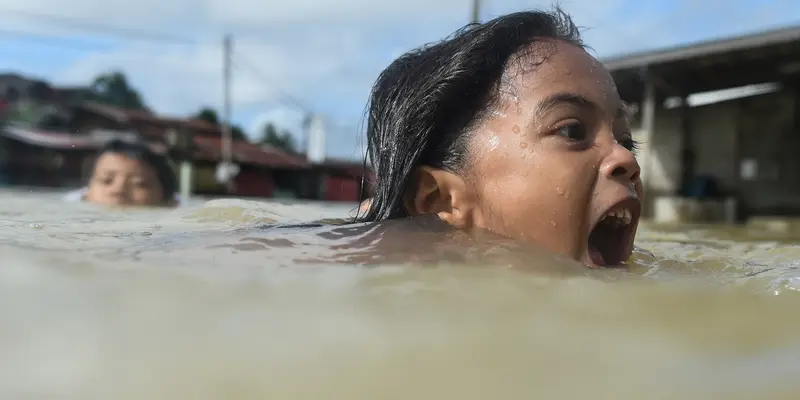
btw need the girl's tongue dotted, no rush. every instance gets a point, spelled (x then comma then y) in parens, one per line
(596, 256)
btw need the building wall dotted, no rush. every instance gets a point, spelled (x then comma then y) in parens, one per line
(339, 188)
(204, 179)
(254, 182)
(24, 164)
(722, 134)
(659, 155)
(85, 122)
(767, 136)
(713, 139)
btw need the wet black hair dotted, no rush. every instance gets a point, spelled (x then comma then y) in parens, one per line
(424, 104)
(140, 151)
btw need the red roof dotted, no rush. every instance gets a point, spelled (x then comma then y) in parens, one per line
(125, 115)
(210, 149)
(208, 142)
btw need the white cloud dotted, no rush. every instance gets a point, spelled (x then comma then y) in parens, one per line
(324, 52)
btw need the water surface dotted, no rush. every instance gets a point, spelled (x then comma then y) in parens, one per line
(219, 300)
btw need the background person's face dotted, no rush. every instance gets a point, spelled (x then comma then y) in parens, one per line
(549, 165)
(122, 181)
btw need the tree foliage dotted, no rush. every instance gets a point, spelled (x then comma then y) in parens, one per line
(114, 89)
(282, 139)
(210, 115)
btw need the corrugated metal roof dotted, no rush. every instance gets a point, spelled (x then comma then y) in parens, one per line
(126, 115)
(67, 140)
(210, 149)
(53, 140)
(209, 141)
(706, 48)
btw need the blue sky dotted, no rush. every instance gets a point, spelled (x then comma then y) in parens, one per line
(311, 55)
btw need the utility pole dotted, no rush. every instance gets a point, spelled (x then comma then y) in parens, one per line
(226, 170)
(227, 49)
(476, 11)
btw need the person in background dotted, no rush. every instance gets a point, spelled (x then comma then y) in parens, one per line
(129, 174)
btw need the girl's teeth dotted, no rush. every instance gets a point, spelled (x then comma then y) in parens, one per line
(618, 217)
(627, 217)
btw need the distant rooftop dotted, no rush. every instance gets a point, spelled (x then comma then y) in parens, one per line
(705, 48)
(767, 56)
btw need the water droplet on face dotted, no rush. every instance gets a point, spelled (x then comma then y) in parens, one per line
(523, 145)
(553, 223)
(515, 129)
(494, 143)
(560, 191)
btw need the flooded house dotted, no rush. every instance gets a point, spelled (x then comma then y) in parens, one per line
(35, 150)
(719, 126)
(258, 165)
(54, 145)
(342, 180)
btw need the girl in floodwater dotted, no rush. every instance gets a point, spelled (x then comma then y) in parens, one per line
(129, 174)
(513, 127)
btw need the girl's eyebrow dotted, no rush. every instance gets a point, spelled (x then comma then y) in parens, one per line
(554, 100)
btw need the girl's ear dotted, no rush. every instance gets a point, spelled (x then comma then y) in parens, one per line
(443, 193)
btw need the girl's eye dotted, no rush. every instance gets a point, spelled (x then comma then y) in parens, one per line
(574, 131)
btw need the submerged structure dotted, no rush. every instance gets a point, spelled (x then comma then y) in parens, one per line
(719, 123)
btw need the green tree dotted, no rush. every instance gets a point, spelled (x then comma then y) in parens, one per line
(113, 88)
(280, 139)
(210, 115)
(207, 114)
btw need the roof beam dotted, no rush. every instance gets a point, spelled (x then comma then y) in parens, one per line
(704, 49)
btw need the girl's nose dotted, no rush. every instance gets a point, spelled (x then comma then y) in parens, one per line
(621, 164)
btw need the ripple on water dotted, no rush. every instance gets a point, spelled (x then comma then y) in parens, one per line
(221, 300)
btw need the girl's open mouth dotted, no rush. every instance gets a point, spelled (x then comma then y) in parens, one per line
(610, 239)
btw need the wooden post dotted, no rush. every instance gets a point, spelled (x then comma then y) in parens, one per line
(476, 11)
(687, 153)
(180, 142)
(186, 179)
(648, 130)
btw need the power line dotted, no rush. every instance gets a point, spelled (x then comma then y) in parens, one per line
(300, 104)
(50, 41)
(134, 34)
(89, 26)
(270, 83)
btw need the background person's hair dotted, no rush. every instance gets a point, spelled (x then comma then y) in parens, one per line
(140, 151)
(423, 105)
